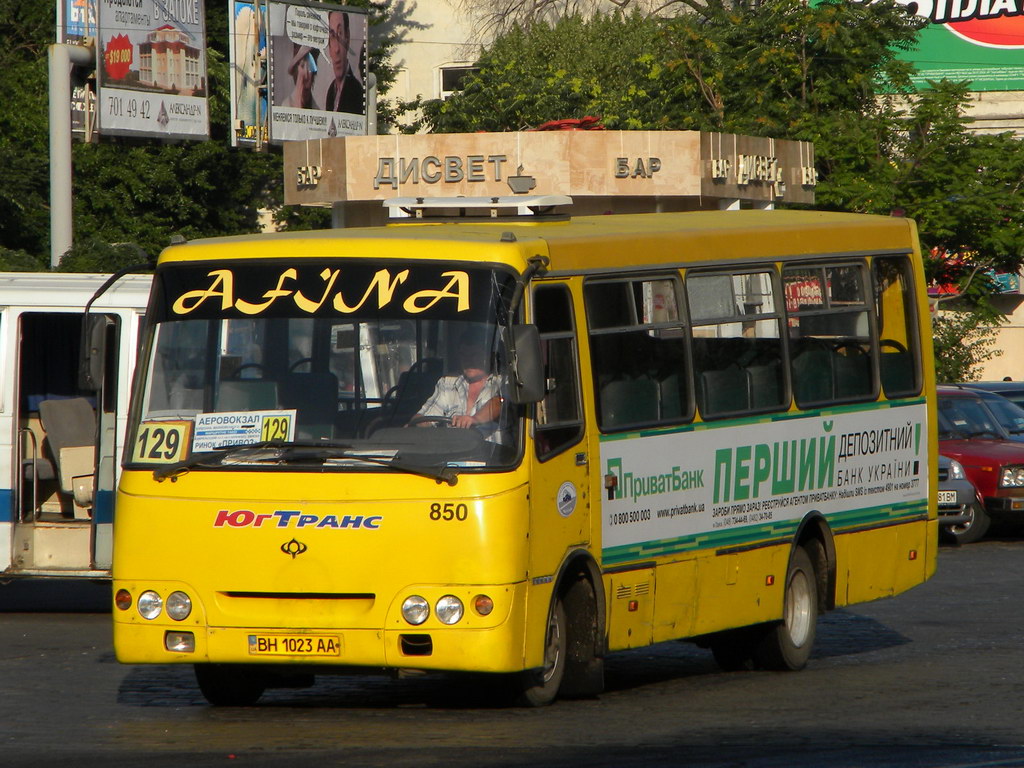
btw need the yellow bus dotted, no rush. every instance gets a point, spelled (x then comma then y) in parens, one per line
(514, 444)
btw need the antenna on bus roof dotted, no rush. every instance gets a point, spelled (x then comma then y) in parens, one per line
(469, 207)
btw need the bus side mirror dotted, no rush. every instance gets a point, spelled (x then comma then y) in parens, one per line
(527, 366)
(93, 352)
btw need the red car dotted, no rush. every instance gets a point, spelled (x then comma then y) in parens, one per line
(969, 433)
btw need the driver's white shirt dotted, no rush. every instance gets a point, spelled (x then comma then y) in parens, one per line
(449, 399)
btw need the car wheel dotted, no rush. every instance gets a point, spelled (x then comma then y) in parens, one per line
(974, 529)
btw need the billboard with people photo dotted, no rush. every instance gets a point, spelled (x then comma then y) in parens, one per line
(317, 71)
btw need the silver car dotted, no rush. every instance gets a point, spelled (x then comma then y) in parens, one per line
(962, 519)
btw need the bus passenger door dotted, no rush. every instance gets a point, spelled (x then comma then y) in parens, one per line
(560, 503)
(64, 462)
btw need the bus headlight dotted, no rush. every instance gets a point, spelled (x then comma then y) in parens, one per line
(415, 610)
(1012, 477)
(179, 606)
(449, 609)
(150, 604)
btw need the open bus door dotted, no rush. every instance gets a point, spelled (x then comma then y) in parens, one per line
(65, 444)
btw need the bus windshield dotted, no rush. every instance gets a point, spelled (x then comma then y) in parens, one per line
(394, 368)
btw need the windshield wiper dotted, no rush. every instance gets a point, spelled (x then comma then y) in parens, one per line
(217, 457)
(442, 474)
(303, 450)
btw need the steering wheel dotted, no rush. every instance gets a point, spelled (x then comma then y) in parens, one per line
(852, 348)
(892, 343)
(300, 361)
(439, 421)
(237, 373)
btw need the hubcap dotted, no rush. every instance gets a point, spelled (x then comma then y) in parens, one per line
(798, 609)
(553, 649)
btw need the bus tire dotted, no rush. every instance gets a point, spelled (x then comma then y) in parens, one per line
(539, 688)
(230, 685)
(787, 644)
(584, 666)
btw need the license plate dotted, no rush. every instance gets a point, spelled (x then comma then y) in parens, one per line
(947, 497)
(294, 645)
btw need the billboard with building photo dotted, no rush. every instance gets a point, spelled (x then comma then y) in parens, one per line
(317, 71)
(247, 49)
(151, 68)
(76, 25)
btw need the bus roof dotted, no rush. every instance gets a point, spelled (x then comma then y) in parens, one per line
(587, 243)
(71, 290)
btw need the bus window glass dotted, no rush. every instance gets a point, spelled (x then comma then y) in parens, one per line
(831, 349)
(737, 344)
(638, 352)
(559, 417)
(361, 376)
(894, 305)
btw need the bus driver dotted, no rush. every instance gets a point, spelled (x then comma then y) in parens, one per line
(470, 399)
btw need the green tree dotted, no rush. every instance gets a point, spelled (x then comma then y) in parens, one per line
(963, 342)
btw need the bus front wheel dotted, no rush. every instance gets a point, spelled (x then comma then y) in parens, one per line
(230, 685)
(787, 644)
(539, 687)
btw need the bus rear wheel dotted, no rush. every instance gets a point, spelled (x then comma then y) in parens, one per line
(787, 644)
(230, 685)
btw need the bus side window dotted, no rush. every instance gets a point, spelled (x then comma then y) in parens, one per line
(737, 344)
(897, 342)
(638, 352)
(559, 417)
(832, 348)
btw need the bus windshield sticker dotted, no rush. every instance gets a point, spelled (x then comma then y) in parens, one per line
(161, 442)
(219, 430)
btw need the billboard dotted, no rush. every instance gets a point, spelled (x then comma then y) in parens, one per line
(151, 68)
(247, 44)
(76, 24)
(977, 40)
(317, 69)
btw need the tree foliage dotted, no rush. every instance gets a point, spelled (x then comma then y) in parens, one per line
(964, 341)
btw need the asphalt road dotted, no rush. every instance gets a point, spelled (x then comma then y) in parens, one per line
(929, 678)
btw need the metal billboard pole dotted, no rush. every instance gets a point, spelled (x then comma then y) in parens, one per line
(63, 58)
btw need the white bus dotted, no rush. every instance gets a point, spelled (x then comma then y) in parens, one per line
(60, 436)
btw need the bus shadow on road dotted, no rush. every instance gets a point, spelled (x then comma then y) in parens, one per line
(840, 633)
(845, 633)
(55, 596)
